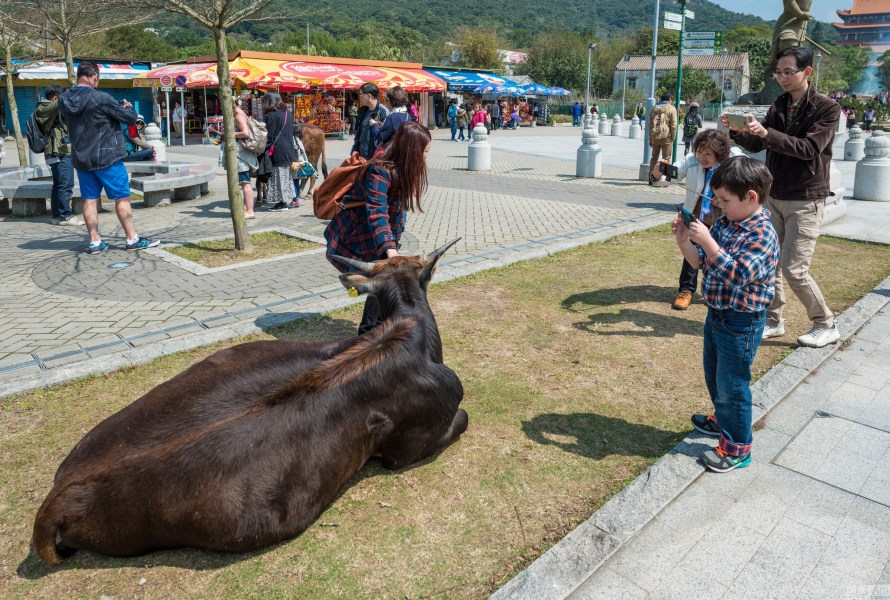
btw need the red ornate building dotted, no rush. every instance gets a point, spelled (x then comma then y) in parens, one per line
(866, 24)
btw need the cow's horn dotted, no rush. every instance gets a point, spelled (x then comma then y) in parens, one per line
(440, 251)
(365, 267)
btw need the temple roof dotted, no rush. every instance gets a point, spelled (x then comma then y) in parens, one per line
(866, 7)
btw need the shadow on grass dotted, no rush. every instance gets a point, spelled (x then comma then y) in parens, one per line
(596, 436)
(647, 323)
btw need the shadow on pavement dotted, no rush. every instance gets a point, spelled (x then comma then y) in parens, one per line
(623, 295)
(596, 436)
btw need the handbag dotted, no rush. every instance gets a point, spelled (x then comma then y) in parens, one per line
(306, 170)
(271, 149)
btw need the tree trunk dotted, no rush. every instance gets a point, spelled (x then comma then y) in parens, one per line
(21, 144)
(69, 63)
(236, 202)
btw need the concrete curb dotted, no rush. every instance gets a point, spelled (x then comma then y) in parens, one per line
(567, 565)
(458, 267)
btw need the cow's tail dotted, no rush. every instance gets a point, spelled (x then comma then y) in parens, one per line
(324, 161)
(46, 527)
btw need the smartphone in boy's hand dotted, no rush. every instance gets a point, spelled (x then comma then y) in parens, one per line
(687, 216)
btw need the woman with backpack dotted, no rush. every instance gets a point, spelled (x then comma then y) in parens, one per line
(692, 122)
(281, 152)
(374, 213)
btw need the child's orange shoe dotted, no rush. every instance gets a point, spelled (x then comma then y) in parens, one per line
(684, 299)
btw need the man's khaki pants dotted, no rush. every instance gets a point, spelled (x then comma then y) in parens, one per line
(797, 224)
(663, 147)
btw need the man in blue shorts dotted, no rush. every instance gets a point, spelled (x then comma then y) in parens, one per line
(98, 150)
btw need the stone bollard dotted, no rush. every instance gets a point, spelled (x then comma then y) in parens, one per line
(153, 136)
(605, 127)
(479, 150)
(854, 148)
(872, 180)
(636, 132)
(617, 126)
(589, 161)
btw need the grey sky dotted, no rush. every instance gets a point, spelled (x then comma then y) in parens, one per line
(823, 10)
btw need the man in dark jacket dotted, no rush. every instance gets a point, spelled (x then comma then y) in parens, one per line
(797, 135)
(371, 109)
(57, 155)
(94, 122)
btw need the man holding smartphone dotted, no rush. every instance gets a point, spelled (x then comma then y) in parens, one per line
(797, 134)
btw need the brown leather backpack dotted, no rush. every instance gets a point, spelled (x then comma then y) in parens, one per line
(327, 199)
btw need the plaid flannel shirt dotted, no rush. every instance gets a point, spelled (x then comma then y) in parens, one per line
(741, 276)
(366, 232)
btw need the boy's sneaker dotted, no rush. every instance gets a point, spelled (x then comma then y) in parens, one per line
(817, 337)
(96, 249)
(281, 206)
(142, 243)
(720, 462)
(706, 424)
(771, 331)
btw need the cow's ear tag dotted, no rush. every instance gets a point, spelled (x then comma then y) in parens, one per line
(352, 292)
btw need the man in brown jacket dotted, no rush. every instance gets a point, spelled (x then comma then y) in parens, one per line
(662, 130)
(797, 134)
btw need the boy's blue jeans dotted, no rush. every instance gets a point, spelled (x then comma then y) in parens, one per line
(453, 129)
(731, 340)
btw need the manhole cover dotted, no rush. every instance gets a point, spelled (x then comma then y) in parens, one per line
(120, 265)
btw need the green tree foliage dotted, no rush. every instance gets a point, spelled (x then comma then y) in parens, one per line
(739, 35)
(758, 50)
(668, 41)
(558, 58)
(127, 42)
(697, 85)
(479, 48)
(520, 39)
(843, 68)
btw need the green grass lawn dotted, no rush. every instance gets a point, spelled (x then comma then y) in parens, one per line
(577, 374)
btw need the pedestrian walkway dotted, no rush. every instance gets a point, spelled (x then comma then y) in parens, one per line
(66, 314)
(810, 518)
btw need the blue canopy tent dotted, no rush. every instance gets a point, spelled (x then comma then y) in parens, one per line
(558, 91)
(537, 89)
(467, 81)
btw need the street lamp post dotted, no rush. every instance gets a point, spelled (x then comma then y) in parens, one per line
(723, 81)
(590, 48)
(818, 58)
(624, 93)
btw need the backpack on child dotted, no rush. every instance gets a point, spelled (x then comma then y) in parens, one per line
(258, 139)
(661, 128)
(326, 199)
(37, 140)
(690, 126)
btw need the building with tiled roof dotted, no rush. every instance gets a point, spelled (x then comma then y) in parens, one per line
(731, 69)
(867, 24)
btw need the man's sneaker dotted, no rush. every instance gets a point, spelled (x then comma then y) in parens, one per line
(69, 222)
(281, 206)
(771, 331)
(720, 462)
(684, 299)
(817, 337)
(706, 424)
(143, 242)
(96, 249)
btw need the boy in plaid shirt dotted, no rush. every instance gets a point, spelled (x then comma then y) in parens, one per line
(738, 259)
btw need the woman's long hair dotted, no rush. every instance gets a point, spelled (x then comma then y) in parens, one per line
(272, 101)
(406, 163)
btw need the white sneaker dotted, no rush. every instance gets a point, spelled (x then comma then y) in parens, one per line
(817, 337)
(771, 331)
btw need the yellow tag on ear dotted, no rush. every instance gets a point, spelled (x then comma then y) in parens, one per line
(352, 292)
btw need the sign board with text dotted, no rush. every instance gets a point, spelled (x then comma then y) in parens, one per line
(166, 88)
(701, 44)
(698, 52)
(689, 14)
(181, 89)
(669, 16)
(673, 25)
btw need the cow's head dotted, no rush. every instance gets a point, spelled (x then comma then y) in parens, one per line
(373, 276)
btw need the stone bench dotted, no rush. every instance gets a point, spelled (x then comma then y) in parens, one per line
(26, 189)
(180, 182)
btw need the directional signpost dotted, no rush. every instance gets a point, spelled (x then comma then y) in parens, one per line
(673, 21)
(702, 43)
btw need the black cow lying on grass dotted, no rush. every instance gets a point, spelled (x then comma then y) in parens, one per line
(247, 447)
